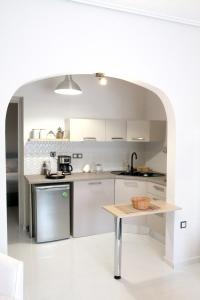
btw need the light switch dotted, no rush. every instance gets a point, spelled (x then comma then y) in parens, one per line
(183, 224)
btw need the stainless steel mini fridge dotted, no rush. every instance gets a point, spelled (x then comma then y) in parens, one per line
(51, 212)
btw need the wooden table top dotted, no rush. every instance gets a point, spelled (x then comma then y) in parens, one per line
(126, 210)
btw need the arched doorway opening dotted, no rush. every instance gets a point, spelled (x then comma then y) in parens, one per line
(50, 83)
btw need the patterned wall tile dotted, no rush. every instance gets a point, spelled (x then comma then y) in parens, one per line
(112, 155)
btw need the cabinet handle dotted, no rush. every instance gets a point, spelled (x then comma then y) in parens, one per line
(89, 138)
(160, 215)
(138, 138)
(130, 184)
(95, 183)
(117, 138)
(158, 188)
(54, 187)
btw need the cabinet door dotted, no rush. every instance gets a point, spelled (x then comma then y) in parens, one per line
(138, 130)
(115, 130)
(157, 130)
(156, 222)
(124, 191)
(88, 216)
(157, 191)
(87, 130)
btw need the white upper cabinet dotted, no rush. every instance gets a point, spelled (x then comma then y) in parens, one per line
(115, 130)
(137, 130)
(87, 130)
(146, 130)
(157, 130)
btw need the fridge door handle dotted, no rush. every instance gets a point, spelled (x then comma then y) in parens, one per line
(54, 187)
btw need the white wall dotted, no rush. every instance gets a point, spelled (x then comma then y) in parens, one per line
(155, 155)
(154, 109)
(182, 11)
(42, 38)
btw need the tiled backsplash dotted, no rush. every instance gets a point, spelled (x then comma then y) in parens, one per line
(112, 155)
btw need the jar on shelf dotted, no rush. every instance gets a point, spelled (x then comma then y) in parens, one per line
(60, 133)
(43, 134)
(35, 133)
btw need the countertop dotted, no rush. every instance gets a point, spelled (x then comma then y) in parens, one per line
(40, 179)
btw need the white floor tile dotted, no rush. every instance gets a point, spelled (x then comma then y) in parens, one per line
(82, 269)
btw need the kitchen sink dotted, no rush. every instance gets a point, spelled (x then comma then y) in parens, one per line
(137, 173)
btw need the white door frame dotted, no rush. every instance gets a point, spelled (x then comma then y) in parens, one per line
(21, 186)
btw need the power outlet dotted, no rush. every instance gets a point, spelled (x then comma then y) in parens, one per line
(53, 154)
(77, 155)
(183, 224)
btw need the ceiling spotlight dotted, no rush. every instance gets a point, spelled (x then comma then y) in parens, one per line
(68, 87)
(102, 79)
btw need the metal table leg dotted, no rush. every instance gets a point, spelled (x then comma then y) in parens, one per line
(118, 248)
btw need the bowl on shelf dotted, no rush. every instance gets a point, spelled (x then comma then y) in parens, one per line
(141, 202)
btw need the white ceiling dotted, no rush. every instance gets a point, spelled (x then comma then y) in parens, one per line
(182, 11)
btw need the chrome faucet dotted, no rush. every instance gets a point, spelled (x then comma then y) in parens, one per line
(133, 155)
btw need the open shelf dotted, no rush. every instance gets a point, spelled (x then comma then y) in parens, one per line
(48, 140)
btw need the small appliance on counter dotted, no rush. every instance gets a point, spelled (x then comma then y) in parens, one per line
(64, 164)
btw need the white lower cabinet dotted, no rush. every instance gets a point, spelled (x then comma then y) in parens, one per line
(124, 191)
(88, 216)
(157, 222)
(89, 196)
(157, 191)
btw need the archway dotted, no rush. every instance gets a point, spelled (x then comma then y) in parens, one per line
(171, 138)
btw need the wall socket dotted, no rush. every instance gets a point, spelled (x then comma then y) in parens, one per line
(52, 154)
(77, 155)
(183, 224)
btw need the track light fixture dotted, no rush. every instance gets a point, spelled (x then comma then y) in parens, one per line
(102, 78)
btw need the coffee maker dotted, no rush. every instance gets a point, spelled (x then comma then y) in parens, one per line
(64, 164)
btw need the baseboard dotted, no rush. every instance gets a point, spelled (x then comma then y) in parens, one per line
(179, 265)
(169, 262)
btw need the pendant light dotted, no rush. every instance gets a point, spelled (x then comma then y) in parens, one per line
(68, 87)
